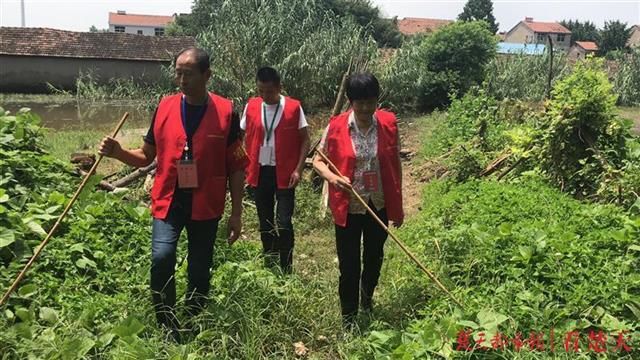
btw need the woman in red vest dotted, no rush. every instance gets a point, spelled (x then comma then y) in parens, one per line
(363, 144)
(277, 144)
(198, 148)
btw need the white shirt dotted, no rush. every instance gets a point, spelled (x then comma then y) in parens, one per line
(270, 110)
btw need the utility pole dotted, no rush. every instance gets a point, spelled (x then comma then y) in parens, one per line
(22, 9)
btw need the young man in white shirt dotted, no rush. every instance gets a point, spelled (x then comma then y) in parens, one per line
(277, 142)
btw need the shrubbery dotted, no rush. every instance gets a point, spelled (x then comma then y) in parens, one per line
(426, 71)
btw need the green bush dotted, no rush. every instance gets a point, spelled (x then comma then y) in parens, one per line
(522, 257)
(425, 72)
(583, 139)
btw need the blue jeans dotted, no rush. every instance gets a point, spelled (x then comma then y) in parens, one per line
(164, 241)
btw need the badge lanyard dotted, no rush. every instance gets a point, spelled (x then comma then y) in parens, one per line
(189, 144)
(269, 130)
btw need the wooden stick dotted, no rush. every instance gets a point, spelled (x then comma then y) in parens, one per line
(44, 242)
(386, 228)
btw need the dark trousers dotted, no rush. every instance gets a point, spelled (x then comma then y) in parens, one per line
(356, 287)
(164, 241)
(276, 233)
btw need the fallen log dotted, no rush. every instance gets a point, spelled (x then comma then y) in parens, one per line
(495, 165)
(137, 174)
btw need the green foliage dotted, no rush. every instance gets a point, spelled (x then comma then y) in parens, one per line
(87, 295)
(523, 77)
(582, 31)
(426, 71)
(522, 257)
(475, 10)
(583, 140)
(31, 187)
(384, 31)
(478, 128)
(297, 38)
(614, 36)
(89, 87)
(626, 81)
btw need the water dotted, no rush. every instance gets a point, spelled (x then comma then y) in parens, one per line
(70, 115)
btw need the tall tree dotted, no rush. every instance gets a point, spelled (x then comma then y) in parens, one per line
(582, 31)
(479, 10)
(384, 31)
(614, 36)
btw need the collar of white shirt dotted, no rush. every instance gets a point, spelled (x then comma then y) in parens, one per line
(352, 123)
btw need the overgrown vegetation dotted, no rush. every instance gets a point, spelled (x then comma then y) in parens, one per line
(576, 139)
(525, 259)
(523, 77)
(425, 72)
(363, 12)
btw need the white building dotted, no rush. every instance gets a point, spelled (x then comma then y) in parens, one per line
(138, 24)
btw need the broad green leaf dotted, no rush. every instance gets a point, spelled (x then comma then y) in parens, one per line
(468, 324)
(47, 335)
(526, 252)
(49, 315)
(36, 228)
(490, 320)
(24, 314)
(105, 339)
(611, 323)
(634, 247)
(9, 314)
(23, 329)
(7, 237)
(131, 326)
(27, 290)
(84, 262)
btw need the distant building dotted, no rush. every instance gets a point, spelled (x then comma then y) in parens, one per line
(581, 49)
(413, 26)
(536, 32)
(634, 39)
(31, 58)
(505, 48)
(138, 24)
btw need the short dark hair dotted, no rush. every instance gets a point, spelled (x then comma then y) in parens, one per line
(202, 57)
(362, 86)
(268, 74)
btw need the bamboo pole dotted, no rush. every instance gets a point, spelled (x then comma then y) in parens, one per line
(44, 242)
(391, 234)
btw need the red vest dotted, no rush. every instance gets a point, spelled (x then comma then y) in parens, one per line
(287, 141)
(340, 151)
(209, 152)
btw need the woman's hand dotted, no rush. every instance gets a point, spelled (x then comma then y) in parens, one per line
(340, 182)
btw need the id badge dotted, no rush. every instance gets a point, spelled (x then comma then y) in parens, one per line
(187, 174)
(370, 181)
(266, 153)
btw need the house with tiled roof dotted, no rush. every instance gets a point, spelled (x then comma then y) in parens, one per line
(581, 49)
(529, 31)
(138, 24)
(634, 39)
(31, 58)
(412, 26)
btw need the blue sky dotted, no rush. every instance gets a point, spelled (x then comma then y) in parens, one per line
(79, 15)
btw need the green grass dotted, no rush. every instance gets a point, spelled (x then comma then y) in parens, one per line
(87, 296)
(632, 113)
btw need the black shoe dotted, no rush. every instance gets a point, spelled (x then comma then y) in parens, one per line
(366, 302)
(349, 320)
